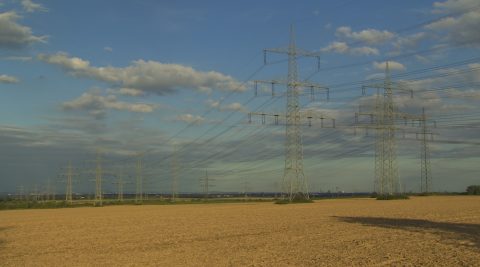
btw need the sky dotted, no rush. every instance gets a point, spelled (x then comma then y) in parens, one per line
(165, 80)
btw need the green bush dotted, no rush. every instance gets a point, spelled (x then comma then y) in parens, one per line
(473, 190)
(392, 197)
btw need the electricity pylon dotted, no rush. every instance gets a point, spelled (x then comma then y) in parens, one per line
(68, 174)
(120, 184)
(205, 184)
(384, 116)
(98, 201)
(139, 180)
(50, 191)
(425, 167)
(21, 193)
(68, 191)
(246, 187)
(294, 182)
(174, 173)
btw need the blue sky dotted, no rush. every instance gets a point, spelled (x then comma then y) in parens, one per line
(126, 78)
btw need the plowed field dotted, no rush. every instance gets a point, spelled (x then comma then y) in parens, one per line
(422, 231)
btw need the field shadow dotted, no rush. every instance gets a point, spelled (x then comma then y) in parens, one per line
(464, 233)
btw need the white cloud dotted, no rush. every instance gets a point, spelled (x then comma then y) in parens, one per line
(217, 104)
(14, 35)
(462, 29)
(337, 47)
(235, 107)
(392, 65)
(375, 76)
(343, 48)
(409, 42)
(126, 91)
(213, 103)
(189, 118)
(455, 6)
(147, 76)
(31, 7)
(97, 104)
(108, 49)
(364, 50)
(8, 79)
(470, 94)
(369, 36)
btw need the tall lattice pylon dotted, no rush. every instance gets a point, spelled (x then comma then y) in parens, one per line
(174, 173)
(386, 170)
(120, 183)
(293, 177)
(294, 182)
(384, 116)
(98, 201)
(68, 191)
(139, 180)
(205, 184)
(425, 168)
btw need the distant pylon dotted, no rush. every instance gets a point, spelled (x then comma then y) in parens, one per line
(21, 193)
(68, 191)
(139, 180)
(48, 190)
(98, 201)
(426, 170)
(175, 173)
(246, 187)
(120, 183)
(205, 184)
(383, 118)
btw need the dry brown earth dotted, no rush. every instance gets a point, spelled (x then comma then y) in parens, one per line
(422, 231)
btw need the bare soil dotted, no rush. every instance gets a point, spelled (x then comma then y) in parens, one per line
(422, 231)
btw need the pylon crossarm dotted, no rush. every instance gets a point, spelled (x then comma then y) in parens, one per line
(303, 85)
(305, 117)
(392, 85)
(298, 52)
(407, 116)
(271, 83)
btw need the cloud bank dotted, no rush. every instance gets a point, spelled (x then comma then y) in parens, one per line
(147, 76)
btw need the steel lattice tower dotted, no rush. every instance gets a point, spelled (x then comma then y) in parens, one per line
(120, 184)
(294, 181)
(386, 170)
(68, 192)
(174, 173)
(426, 170)
(98, 201)
(139, 180)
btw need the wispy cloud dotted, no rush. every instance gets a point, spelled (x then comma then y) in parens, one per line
(31, 7)
(392, 65)
(8, 79)
(147, 76)
(189, 118)
(96, 104)
(368, 36)
(343, 48)
(459, 30)
(14, 35)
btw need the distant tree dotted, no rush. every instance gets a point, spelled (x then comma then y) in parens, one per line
(473, 190)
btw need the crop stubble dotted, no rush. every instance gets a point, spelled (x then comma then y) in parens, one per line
(436, 231)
